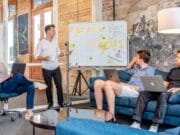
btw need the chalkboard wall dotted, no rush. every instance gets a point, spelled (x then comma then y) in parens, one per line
(23, 33)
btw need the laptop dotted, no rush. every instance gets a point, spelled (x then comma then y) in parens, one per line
(153, 83)
(111, 74)
(18, 68)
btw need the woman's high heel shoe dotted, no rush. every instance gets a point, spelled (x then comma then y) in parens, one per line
(112, 120)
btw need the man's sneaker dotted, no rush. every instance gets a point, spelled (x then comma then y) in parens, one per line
(40, 86)
(50, 106)
(154, 128)
(135, 124)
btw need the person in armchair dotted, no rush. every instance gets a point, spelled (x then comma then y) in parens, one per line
(130, 89)
(172, 83)
(17, 84)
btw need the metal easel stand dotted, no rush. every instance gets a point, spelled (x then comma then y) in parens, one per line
(77, 90)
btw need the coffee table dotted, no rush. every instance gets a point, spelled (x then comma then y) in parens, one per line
(47, 119)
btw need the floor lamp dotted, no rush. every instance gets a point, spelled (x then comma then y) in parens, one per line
(169, 20)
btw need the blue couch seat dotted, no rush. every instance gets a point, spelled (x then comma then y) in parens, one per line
(126, 105)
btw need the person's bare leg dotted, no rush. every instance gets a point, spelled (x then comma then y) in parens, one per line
(98, 90)
(111, 90)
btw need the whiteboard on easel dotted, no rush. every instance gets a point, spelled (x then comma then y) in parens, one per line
(98, 44)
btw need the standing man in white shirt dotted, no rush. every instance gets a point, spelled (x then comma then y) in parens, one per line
(48, 52)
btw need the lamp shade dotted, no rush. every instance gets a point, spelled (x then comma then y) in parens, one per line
(169, 20)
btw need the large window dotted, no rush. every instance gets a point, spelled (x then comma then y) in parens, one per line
(47, 18)
(40, 21)
(12, 10)
(41, 16)
(12, 30)
(37, 32)
(37, 3)
(11, 42)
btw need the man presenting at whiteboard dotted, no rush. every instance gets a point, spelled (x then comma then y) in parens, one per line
(130, 89)
(48, 52)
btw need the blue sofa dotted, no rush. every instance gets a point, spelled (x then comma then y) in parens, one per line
(90, 127)
(126, 105)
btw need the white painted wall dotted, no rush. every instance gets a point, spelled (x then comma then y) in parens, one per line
(4, 33)
(1, 43)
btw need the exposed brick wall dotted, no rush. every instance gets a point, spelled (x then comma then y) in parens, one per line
(107, 9)
(1, 12)
(23, 7)
(68, 13)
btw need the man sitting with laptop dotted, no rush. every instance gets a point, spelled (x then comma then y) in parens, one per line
(131, 89)
(172, 83)
(17, 83)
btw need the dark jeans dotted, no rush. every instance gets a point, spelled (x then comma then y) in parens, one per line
(144, 98)
(19, 84)
(56, 75)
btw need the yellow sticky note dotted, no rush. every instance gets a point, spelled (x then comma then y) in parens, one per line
(72, 46)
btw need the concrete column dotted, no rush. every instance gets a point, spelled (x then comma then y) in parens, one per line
(1, 42)
(5, 32)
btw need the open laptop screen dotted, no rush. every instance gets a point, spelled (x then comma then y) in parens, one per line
(153, 83)
(18, 68)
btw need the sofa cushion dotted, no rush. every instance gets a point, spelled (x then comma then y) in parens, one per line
(8, 95)
(132, 102)
(161, 73)
(124, 76)
(122, 101)
(175, 98)
(173, 110)
(151, 106)
(90, 127)
(172, 131)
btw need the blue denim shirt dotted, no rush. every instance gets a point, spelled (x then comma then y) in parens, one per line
(137, 73)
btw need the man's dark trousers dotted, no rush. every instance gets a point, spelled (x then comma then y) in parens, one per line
(144, 98)
(56, 76)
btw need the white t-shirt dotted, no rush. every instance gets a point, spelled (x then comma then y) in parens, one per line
(51, 49)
